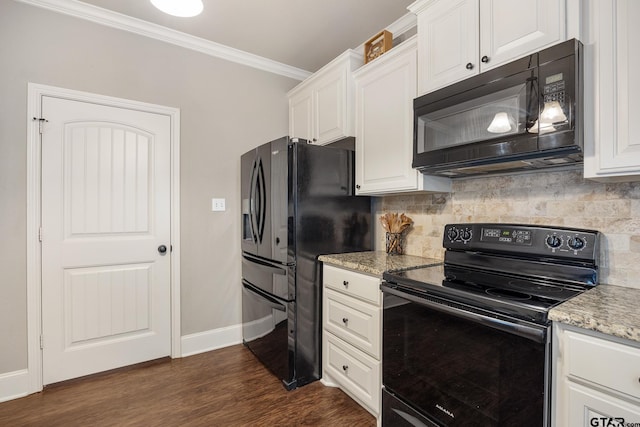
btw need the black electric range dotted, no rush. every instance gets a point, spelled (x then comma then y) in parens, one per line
(467, 342)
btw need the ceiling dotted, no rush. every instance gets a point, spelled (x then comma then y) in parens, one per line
(305, 34)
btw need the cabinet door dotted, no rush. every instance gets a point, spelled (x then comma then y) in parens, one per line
(448, 43)
(612, 93)
(384, 125)
(589, 407)
(300, 116)
(330, 107)
(511, 29)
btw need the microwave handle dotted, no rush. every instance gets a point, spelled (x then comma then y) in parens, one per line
(533, 99)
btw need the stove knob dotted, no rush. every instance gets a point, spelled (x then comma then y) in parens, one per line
(466, 234)
(553, 241)
(576, 243)
(453, 234)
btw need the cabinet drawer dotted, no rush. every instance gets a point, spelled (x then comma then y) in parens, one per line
(355, 372)
(348, 282)
(588, 407)
(356, 322)
(603, 362)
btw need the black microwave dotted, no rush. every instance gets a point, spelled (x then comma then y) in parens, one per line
(524, 115)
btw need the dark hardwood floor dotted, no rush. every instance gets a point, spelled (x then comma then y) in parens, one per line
(226, 387)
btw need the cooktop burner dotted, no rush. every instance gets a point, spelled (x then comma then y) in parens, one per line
(507, 294)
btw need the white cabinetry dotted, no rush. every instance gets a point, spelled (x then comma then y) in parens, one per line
(596, 380)
(321, 107)
(385, 89)
(612, 93)
(351, 337)
(460, 38)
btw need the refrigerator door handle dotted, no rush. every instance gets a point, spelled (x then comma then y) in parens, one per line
(273, 269)
(271, 301)
(257, 201)
(252, 203)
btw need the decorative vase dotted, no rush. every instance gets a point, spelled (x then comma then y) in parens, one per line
(394, 244)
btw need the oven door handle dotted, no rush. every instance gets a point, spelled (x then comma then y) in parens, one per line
(533, 333)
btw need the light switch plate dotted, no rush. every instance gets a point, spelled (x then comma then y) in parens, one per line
(218, 205)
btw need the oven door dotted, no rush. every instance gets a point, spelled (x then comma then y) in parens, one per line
(267, 331)
(462, 368)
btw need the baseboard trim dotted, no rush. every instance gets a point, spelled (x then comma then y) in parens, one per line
(211, 340)
(14, 385)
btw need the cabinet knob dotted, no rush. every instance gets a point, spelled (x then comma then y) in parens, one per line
(345, 367)
(345, 283)
(358, 186)
(345, 320)
(469, 66)
(485, 59)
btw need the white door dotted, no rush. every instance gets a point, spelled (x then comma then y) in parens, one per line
(105, 215)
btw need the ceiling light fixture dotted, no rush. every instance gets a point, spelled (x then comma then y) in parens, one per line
(181, 8)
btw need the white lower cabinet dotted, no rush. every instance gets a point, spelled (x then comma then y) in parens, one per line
(596, 380)
(351, 336)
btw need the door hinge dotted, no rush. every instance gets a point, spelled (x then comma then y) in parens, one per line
(40, 234)
(41, 342)
(41, 123)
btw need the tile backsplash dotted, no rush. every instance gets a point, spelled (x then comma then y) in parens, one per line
(561, 198)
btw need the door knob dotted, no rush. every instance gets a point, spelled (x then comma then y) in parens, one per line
(162, 249)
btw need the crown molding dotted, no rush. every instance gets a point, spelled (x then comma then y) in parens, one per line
(123, 22)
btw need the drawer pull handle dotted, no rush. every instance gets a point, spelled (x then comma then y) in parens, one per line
(345, 320)
(345, 368)
(345, 283)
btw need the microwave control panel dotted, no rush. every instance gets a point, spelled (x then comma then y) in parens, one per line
(554, 88)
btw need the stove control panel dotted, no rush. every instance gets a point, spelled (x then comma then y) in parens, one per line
(523, 239)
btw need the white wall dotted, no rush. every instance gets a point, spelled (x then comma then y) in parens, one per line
(226, 109)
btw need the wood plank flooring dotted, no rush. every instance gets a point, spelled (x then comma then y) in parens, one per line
(226, 387)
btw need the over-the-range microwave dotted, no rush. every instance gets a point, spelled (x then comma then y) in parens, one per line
(524, 115)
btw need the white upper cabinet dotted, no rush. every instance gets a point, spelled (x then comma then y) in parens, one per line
(511, 29)
(448, 44)
(385, 89)
(612, 94)
(461, 38)
(321, 107)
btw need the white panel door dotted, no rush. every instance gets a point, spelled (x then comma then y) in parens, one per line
(105, 214)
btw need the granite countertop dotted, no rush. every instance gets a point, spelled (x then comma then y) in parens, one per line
(377, 262)
(609, 309)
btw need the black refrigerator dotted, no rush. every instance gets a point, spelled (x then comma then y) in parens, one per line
(298, 202)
